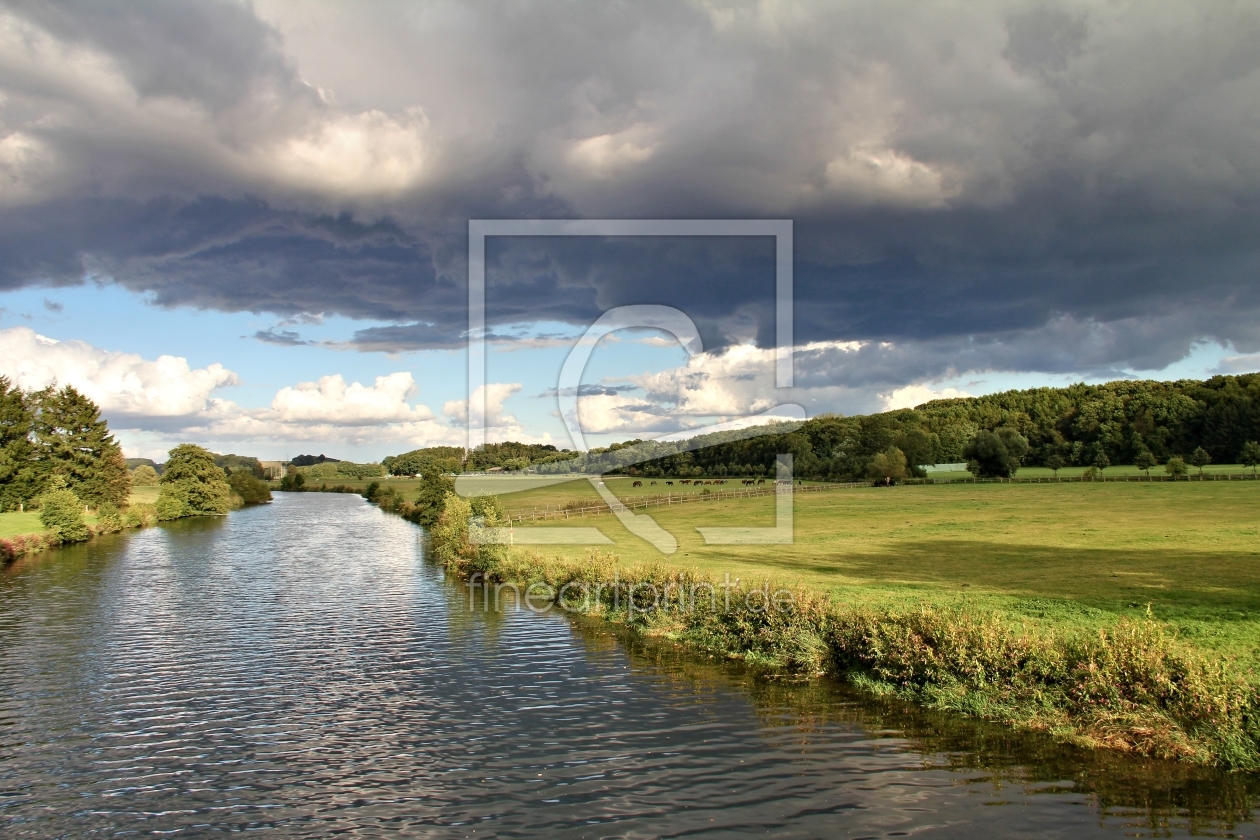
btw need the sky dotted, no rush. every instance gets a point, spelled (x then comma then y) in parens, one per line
(245, 225)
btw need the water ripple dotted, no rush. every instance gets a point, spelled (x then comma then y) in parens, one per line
(299, 668)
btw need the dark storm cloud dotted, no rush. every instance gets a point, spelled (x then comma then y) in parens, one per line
(1053, 187)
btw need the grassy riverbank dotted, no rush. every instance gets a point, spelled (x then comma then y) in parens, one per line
(1124, 615)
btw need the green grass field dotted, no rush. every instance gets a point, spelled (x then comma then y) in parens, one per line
(1076, 553)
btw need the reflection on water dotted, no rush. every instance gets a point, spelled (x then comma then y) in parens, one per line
(300, 668)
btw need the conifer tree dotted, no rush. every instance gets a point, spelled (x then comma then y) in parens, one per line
(72, 440)
(19, 475)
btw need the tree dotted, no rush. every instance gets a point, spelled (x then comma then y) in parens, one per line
(1250, 455)
(1200, 458)
(144, 476)
(292, 482)
(1175, 466)
(61, 512)
(434, 487)
(1101, 461)
(920, 449)
(888, 466)
(1054, 461)
(1145, 460)
(19, 475)
(72, 440)
(251, 490)
(191, 474)
(997, 454)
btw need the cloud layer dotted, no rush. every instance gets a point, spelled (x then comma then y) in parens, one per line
(959, 175)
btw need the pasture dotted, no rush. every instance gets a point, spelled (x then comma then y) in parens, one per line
(14, 524)
(1080, 553)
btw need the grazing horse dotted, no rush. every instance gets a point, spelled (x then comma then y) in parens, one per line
(669, 484)
(685, 481)
(761, 481)
(637, 484)
(653, 483)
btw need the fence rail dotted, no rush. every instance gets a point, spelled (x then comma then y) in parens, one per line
(671, 499)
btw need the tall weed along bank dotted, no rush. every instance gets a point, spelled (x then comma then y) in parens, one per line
(1132, 686)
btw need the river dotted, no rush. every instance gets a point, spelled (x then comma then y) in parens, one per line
(300, 668)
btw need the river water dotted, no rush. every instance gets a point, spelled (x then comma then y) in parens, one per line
(299, 668)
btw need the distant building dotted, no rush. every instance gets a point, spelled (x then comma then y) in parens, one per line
(275, 469)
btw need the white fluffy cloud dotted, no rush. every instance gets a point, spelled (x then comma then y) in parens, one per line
(123, 384)
(331, 400)
(912, 395)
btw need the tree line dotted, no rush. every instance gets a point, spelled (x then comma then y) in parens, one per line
(1126, 422)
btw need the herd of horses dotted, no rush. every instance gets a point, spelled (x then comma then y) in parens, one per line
(697, 482)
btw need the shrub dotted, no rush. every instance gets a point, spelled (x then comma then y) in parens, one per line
(1176, 466)
(141, 515)
(250, 489)
(108, 519)
(172, 503)
(61, 512)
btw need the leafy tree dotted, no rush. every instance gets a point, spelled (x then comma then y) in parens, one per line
(251, 490)
(1200, 458)
(19, 475)
(73, 440)
(293, 482)
(920, 450)
(889, 465)
(995, 454)
(434, 488)
(144, 476)
(191, 471)
(1101, 461)
(1145, 460)
(1250, 455)
(1176, 466)
(1054, 461)
(61, 512)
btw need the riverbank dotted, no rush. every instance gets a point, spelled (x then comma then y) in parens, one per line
(22, 533)
(1018, 652)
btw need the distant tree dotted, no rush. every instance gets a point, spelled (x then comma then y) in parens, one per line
(72, 440)
(995, 454)
(191, 473)
(1200, 458)
(293, 482)
(1144, 461)
(236, 463)
(61, 512)
(1175, 466)
(920, 449)
(144, 476)
(1101, 461)
(889, 465)
(1054, 461)
(1250, 455)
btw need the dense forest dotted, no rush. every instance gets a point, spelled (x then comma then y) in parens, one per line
(1121, 422)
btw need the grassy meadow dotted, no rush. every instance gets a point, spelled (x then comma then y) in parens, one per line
(1080, 553)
